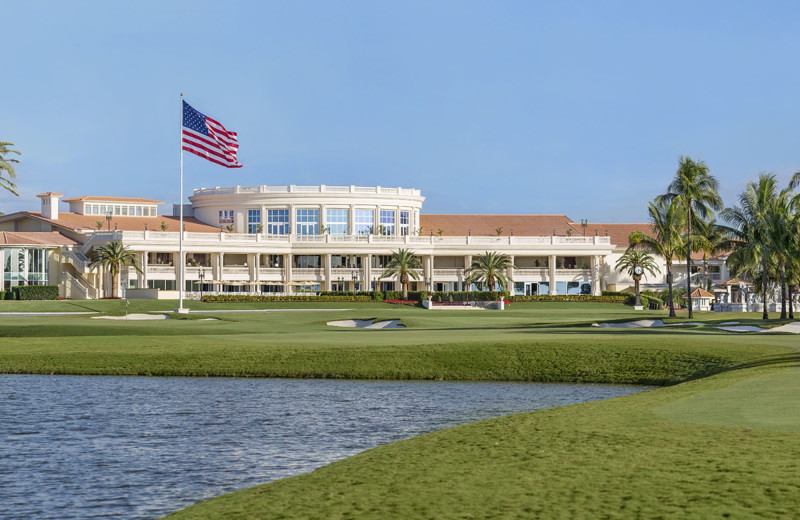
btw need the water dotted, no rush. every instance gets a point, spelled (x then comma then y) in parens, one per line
(133, 447)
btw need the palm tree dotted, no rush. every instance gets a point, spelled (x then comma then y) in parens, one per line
(637, 262)
(404, 265)
(696, 189)
(750, 221)
(780, 234)
(113, 256)
(7, 167)
(489, 268)
(666, 240)
(711, 239)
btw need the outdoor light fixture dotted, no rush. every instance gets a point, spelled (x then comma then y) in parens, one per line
(202, 278)
(108, 220)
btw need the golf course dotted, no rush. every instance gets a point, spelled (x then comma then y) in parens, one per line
(718, 438)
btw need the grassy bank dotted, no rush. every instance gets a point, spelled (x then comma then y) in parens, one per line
(529, 342)
(680, 452)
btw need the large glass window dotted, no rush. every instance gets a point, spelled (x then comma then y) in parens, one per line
(24, 267)
(387, 222)
(405, 220)
(253, 220)
(364, 221)
(307, 221)
(307, 261)
(336, 221)
(226, 216)
(278, 221)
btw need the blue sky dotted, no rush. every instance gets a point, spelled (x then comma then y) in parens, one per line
(576, 107)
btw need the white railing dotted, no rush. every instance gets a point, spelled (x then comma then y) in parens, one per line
(86, 289)
(160, 269)
(235, 270)
(308, 189)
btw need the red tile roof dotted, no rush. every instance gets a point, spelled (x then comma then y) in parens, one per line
(49, 194)
(701, 293)
(47, 238)
(75, 221)
(485, 225)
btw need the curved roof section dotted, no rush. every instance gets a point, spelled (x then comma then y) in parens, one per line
(46, 238)
(97, 198)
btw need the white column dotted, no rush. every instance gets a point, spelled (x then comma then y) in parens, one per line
(351, 220)
(258, 266)
(552, 274)
(510, 275)
(292, 220)
(595, 277)
(143, 275)
(323, 217)
(431, 270)
(180, 259)
(327, 286)
(397, 222)
(287, 265)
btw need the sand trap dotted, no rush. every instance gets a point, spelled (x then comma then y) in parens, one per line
(743, 328)
(208, 319)
(794, 328)
(133, 317)
(367, 324)
(730, 323)
(643, 324)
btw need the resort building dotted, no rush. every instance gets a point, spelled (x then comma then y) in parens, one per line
(284, 239)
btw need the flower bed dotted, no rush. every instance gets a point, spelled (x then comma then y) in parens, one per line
(410, 303)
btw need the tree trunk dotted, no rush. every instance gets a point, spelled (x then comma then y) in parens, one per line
(706, 276)
(764, 314)
(783, 291)
(638, 299)
(791, 304)
(669, 285)
(689, 257)
(114, 284)
(404, 283)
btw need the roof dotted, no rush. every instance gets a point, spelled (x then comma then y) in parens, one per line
(50, 194)
(47, 238)
(95, 198)
(75, 221)
(737, 281)
(701, 293)
(486, 225)
(618, 233)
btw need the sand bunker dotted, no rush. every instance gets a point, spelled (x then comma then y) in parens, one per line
(367, 324)
(133, 317)
(742, 328)
(642, 324)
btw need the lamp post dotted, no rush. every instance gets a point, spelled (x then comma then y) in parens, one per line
(108, 219)
(584, 223)
(355, 278)
(375, 284)
(202, 278)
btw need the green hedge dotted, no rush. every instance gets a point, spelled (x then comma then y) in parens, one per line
(615, 293)
(569, 298)
(229, 298)
(36, 292)
(374, 295)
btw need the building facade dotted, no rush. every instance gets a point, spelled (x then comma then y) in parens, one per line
(285, 239)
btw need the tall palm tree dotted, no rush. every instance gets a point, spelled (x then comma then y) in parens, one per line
(667, 220)
(113, 256)
(780, 234)
(696, 189)
(7, 167)
(489, 268)
(710, 239)
(637, 262)
(750, 221)
(403, 264)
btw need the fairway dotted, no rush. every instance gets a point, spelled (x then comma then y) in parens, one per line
(720, 440)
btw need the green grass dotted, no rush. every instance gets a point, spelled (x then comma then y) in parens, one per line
(722, 444)
(529, 342)
(630, 457)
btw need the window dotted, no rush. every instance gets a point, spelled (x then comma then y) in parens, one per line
(164, 285)
(381, 260)
(125, 211)
(153, 211)
(102, 210)
(336, 221)
(387, 222)
(345, 261)
(161, 258)
(138, 211)
(404, 223)
(364, 221)
(274, 261)
(253, 220)
(307, 261)
(307, 221)
(226, 216)
(117, 210)
(278, 221)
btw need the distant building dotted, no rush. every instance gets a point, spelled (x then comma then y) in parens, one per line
(276, 239)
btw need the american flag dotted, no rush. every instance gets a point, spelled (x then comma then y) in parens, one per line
(208, 138)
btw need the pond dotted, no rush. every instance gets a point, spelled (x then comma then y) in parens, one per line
(137, 447)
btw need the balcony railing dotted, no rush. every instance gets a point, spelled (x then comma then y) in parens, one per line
(308, 189)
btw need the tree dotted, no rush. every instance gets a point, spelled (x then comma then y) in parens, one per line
(489, 268)
(666, 239)
(696, 190)
(113, 256)
(637, 262)
(750, 221)
(710, 239)
(7, 167)
(403, 264)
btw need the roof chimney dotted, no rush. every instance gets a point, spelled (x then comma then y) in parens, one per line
(50, 204)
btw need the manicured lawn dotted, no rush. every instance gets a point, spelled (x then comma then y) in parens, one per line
(724, 443)
(676, 452)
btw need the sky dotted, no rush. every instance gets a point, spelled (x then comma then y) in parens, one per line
(580, 108)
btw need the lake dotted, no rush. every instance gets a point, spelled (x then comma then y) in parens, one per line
(138, 447)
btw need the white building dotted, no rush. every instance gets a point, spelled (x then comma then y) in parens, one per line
(274, 239)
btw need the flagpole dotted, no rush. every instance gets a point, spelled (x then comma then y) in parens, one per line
(180, 226)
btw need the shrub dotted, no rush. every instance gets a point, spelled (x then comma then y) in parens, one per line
(567, 298)
(615, 293)
(2, 295)
(235, 298)
(36, 292)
